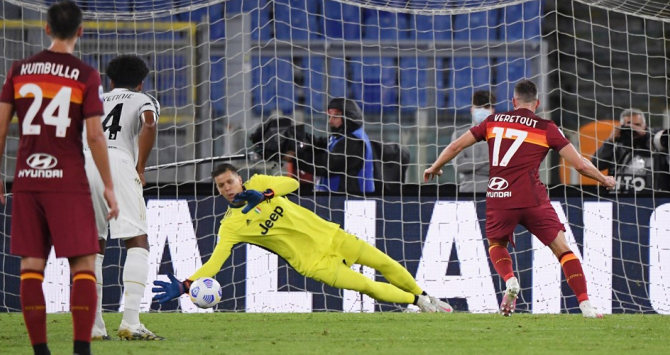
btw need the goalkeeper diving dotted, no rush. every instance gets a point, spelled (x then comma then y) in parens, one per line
(259, 214)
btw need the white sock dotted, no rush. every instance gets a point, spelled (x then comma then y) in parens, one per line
(99, 322)
(134, 282)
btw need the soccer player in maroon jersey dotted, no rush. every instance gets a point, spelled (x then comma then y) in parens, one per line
(518, 142)
(54, 94)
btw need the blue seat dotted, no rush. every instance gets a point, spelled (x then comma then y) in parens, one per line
(469, 75)
(313, 69)
(264, 87)
(109, 5)
(374, 83)
(337, 78)
(296, 19)
(443, 82)
(476, 26)
(286, 93)
(508, 72)
(261, 24)
(385, 26)
(412, 94)
(342, 21)
(217, 85)
(213, 15)
(522, 21)
(431, 27)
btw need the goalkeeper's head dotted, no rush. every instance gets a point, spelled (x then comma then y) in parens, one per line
(227, 181)
(127, 72)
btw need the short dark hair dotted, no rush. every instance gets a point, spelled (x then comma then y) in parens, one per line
(64, 18)
(483, 98)
(127, 71)
(222, 168)
(525, 91)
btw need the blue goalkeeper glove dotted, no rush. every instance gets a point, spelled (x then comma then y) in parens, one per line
(253, 198)
(170, 290)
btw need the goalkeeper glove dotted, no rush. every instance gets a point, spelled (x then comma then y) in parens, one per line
(253, 198)
(170, 290)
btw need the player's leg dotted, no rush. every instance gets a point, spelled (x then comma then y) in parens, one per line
(100, 207)
(131, 226)
(83, 300)
(341, 276)
(135, 272)
(395, 273)
(29, 239)
(574, 274)
(99, 329)
(500, 226)
(75, 236)
(543, 222)
(356, 251)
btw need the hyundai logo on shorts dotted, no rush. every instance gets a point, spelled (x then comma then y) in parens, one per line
(498, 184)
(42, 161)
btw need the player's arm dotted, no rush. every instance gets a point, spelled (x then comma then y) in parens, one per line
(584, 166)
(263, 188)
(450, 152)
(166, 291)
(6, 113)
(95, 137)
(146, 141)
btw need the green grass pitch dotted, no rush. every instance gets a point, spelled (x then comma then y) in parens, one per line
(347, 333)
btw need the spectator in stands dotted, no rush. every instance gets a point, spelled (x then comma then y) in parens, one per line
(472, 165)
(632, 157)
(348, 164)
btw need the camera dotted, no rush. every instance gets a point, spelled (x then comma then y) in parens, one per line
(626, 135)
(277, 135)
(661, 139)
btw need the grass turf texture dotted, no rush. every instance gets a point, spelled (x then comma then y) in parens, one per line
(346, 333)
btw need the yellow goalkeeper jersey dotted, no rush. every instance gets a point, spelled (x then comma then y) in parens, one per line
(295, 233)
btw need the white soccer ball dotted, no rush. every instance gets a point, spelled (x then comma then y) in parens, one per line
(205, 292)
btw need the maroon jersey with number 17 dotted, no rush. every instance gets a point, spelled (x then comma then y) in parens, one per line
(52, 94)
(518, 143)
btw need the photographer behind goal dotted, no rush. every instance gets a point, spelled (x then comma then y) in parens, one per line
(636, 156)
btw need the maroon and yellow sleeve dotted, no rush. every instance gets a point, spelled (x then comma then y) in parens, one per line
(479, 131)
(555, 137)
(92, 103)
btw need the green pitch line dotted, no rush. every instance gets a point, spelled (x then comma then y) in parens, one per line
(379, 333)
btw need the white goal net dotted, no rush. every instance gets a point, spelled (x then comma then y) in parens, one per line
(224, 70)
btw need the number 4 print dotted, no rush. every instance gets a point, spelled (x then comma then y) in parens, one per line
(114, 127)
(508, 133)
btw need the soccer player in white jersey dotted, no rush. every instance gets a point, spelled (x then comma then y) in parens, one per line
(130, 128)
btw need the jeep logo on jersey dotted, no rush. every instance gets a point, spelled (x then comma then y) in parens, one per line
(269, 223)
(41, 161)
(498, 184)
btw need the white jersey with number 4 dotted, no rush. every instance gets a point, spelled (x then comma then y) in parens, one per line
(121, 123)
(123, 119)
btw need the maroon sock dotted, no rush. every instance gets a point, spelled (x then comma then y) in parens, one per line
(33, 306)
(572, 269)
(83, 303)
(502, 261)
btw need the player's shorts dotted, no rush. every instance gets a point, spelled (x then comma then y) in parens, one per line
(345, 250)
(540, 220)
(43, 219)
(132, 220)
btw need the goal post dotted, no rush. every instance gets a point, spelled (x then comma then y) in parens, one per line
(221, 69)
